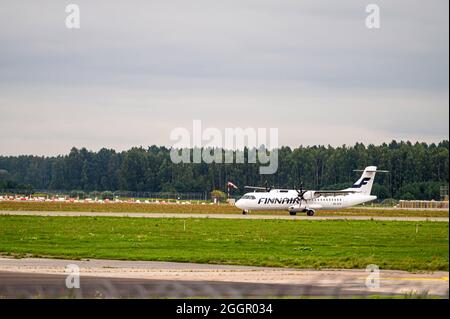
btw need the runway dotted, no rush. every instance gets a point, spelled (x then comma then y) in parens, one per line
(222, 216)
(45, 278)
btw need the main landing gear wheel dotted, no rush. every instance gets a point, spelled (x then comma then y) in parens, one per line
(310, 212)
(292, 213)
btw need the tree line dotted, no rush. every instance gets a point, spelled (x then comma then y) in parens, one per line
(416, 171)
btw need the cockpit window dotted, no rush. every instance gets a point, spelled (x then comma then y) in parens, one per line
(248, 197)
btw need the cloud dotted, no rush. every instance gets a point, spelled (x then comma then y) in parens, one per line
(137, 69)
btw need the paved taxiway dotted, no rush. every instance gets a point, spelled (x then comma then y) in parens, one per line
(36, 277)
(228, 216)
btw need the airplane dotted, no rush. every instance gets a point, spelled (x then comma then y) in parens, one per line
(308, 201)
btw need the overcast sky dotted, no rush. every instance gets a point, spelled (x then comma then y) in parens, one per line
(135, 70)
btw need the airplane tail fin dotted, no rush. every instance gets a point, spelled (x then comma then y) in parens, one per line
(365, 183)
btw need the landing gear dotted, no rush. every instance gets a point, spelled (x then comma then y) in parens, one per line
(292, 213)
(310, 212)
(244, 212)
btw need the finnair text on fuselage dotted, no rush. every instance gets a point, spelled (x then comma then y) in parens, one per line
(281, 201)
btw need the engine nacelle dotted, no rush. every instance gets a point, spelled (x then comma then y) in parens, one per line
(308, 195)
(297, 208)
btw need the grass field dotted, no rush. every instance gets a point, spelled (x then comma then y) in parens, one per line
(201, 209)
(302, 244)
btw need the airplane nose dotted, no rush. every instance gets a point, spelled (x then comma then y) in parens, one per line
(238, 204)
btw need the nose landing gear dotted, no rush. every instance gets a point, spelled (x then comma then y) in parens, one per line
(244, 212)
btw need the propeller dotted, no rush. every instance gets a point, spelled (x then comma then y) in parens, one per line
(301, 192)
(266, 185)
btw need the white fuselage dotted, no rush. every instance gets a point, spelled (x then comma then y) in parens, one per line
(289, 200)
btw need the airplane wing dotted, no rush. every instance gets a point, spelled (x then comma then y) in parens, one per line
(333, 192)
(266, 188)
(255, 187)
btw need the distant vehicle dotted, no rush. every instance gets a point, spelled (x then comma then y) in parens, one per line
(308, 201)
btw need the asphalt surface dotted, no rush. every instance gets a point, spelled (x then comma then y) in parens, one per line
(22, 285)
(46, 278)
(222, 216)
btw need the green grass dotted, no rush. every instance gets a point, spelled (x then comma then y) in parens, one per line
(285, 243)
